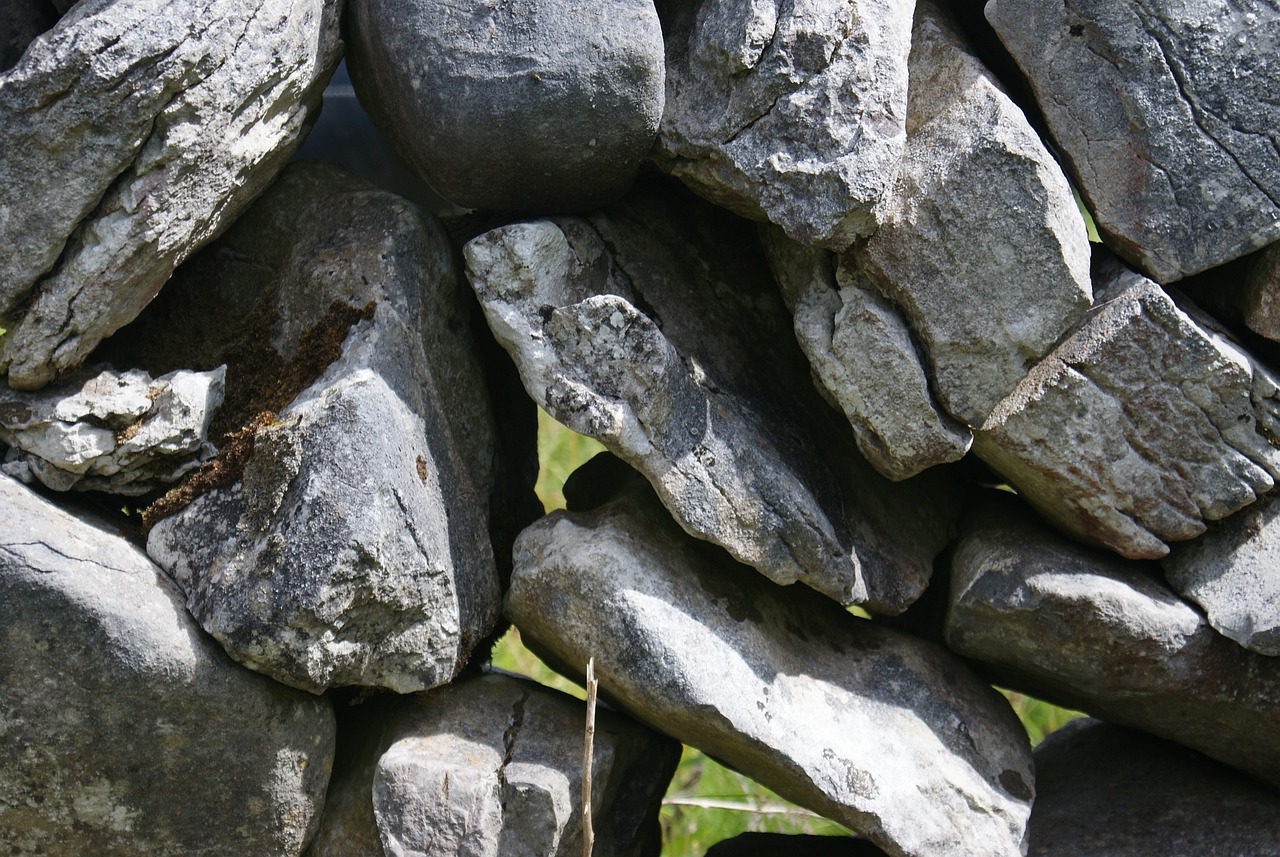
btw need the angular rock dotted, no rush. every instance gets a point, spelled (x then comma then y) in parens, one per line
(130, 135)
(123, 729)
(543, 105)
(885, 733)
(1091, 631)
(864, 360)
(655, 328)
(23, 21)
(1166, 112)
(1261, 294)
(788, 112)
(981, 244)
(1106, 791)
(345, 540)
(1140, 426)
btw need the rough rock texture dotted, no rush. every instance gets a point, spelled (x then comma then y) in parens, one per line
(123, 729)
(540, 105)
(864, 360)
(884, 733)
(1106, 791)
(744, 84)
(1261, 293)
(655, 328)
(1233, 573)
(131, 134)
(1140, 426)
(1166, 112)
(102, 430)
(354, 548)
(982, 245)
(23, 20)
(1088, 630)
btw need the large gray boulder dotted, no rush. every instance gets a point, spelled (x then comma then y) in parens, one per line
(345, 536)
(746, 83)
(1166, 112)
(885, 733)
(130, 135)
(1091, 631)
(124, 730)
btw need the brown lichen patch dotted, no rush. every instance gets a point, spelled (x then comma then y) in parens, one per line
(422, 470)
(129, 432)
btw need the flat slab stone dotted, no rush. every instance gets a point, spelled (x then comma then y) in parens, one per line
(887, 734)
(1166, 112)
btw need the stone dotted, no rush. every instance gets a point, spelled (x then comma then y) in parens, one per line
(123, 729)
(981, 243)
(745, 83)
(655, 328)
(543, 105)
(23, 21)
(346, 541)
(118, 432)
(864, 360)
(882, 732)
(1107, 791)
(1165, 112)
(1261, 293)
(1143, 424)
(142, 129)
(1088, 630)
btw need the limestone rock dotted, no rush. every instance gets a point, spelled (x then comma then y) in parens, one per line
(353, 547)
(655, 328)
(1140, 426)
(124, 729)
(882, 732)
(540, 105)
(131, 134)
(1091, 631)
(1165, 110)
(745, 83)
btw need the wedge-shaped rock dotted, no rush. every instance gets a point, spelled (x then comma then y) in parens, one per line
(1142, 425)
(125, 729)
(882, 732)
(788, 112)
(655, 328)
(353, 548)
(131, 134)
(1166, 111)
(1089, 630)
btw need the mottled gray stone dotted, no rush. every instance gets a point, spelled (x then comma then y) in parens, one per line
(541, 105)
(1106, 791)
(1260, 296)
(123, 729)
(354, 548)
(1166, 112)
(981, 245)
(885, 733)
(655, 328)
(131, 134)
(1140, 426)
(1086, 629)
(788, 112)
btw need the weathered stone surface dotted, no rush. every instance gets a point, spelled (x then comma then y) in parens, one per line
(354, 548)
(1106, 791)
(1166, 111)
(882, 732)
(540, 105)
(131, 134)
(1140, 426)
(981, 245)
(102, 430)
(123, 729)
(1261, 294)
(23, 20)
(655, 328)
(864, 360)
(1091, 631)
(745, 85)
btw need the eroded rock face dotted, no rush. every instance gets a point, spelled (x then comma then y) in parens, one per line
(744, 83)
(885, 733)
(125, 729)
(1165, 110)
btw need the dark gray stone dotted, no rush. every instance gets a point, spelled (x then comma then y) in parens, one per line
(1260, 298)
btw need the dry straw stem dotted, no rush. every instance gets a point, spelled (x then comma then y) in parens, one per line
(588, 835)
